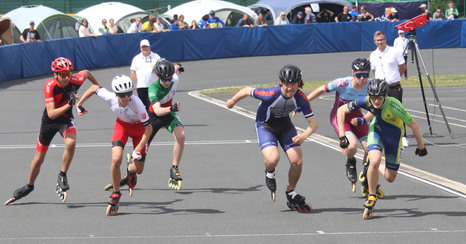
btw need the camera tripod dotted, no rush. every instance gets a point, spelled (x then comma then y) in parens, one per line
(416, 56)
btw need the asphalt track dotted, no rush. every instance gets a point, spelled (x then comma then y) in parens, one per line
(224, 199)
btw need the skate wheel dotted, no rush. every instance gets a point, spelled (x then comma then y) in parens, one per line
(364, 191)
(130, 192)
(368, 213)
(10, 201)
(353, 187)
(307, 208)
(361, 177)
(380, 193)
(273, 195)
(61, 194)
(108, 187)
(174, 184)
(64, 196)
(112, 210)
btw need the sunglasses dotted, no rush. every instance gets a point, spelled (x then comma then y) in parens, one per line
(361, 75)
(65, 74)
(377, 97)
(123, 95)
(166, 79)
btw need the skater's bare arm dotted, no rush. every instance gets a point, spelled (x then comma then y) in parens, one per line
(312, 127)
(161, 111)
(316, 93)
(90, 76)
(246, 91)
(87, 94)
(417, 134)
(54, 112)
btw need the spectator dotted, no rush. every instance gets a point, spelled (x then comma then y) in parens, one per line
(364, 15)
(103, 30)
(260, 21)
(204, 22)
(298, 19)
(141, 68)
(112, 29)
(245, 21)
(310, 17)
(393, 16)
(354, 12)
(158, 25)
(325, 16)
(84, 29)
(344, 16)
(136, 26)
(194, 25)
(183, 25)
(175, 17)
(30, 34)
(438, 15)
(423, 8)
(401, 43)
(214, 21)
(451, 12)
(149, 26)
(282, 20)
(174, 25)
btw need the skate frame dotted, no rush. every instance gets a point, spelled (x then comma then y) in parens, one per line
(416, 55)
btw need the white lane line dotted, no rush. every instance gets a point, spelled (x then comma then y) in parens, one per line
(210, 235)
(453, 187)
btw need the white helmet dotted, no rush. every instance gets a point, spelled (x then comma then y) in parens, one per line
(122, 84)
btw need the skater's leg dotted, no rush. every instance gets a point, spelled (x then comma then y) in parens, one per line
(137, 167)
(34, 169)
(117, 156)
(295, 156)
(271, 157)
(70, 145)
(178, 134)
(352, 148)
(375, 157)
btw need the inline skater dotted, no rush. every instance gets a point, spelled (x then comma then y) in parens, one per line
(132, 121)
(386, 130)
(163, 113)
(60, 97)
(274, 127)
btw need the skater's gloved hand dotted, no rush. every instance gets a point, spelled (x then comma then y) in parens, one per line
(81, 110)
(361, 121)
(343, 142)
(421, 152)
(175, 107)
(136, 156)
(72, 100)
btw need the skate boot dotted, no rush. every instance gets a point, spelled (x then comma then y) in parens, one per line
(175, 178)
(365, 185)
(20, 193)
(271, 183)
(113, 203)
(297, 202)
(351, 172)
(123, 182)
(62, 186)
(369, 206)
(132, 179)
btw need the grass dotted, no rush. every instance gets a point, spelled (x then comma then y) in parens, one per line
(412, 81)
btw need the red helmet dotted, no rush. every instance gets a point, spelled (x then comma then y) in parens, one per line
(61, 64)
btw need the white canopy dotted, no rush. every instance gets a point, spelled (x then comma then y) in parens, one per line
(120, 12)
(228, 12)
(49, 22)
(278, 6)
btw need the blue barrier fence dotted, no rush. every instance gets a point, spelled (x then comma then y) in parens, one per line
(33, 59)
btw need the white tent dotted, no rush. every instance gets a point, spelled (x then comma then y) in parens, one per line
(122, 13)
(277, 6)
(50, 23)
(228, 12)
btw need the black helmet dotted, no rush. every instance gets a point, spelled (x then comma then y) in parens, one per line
(164, 68)
(377, 87)
(290, 74)
(361, 64)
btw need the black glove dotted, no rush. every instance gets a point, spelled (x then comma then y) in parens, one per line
(174, 107)
(80, 110)
(72, 100)
(343, 142)
(181, 69)
(420, 152)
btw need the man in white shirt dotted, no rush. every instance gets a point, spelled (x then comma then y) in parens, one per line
(388, 63)
(142, 68)
(401, 43)
(136, 26)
